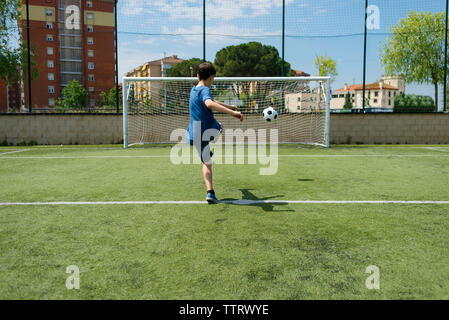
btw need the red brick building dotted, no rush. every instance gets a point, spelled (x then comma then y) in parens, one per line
(9, 97)
(73, 39)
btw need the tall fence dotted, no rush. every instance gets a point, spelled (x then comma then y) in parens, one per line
(148, 37)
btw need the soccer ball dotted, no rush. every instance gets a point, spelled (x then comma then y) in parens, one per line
(270, 114)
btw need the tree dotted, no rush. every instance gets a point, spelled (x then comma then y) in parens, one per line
(413, 103)
(186, 68)
(252, 59)
(416, 49)
(367, 99)
(348, 103)
(73, 97)
(11, 59)
(326, 67)
(110, 100)
(9, 14)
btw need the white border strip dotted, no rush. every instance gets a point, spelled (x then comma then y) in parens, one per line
(438, 149)
(236, 156)
(237, 202)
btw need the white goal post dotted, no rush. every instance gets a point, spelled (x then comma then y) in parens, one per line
(155, 106)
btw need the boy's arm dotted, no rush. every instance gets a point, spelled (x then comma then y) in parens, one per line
(232, 107)
(215, 106)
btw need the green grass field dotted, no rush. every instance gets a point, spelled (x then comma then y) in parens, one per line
(228, 250)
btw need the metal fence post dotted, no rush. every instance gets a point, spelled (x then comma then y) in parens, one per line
(29, 57)
(204, 30)
(364, 57)
(283, 37)
(445, 62)
(117, 93)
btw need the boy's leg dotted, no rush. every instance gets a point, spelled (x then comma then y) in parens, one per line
(207, 175)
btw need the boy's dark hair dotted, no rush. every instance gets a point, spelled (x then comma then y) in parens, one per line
(205, 70)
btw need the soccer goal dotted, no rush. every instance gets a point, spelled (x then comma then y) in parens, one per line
(154, 107)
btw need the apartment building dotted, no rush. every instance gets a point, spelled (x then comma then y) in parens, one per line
(379, 94)
(73, 40)
(155, 68)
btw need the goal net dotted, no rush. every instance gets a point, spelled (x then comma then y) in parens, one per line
(154, 107)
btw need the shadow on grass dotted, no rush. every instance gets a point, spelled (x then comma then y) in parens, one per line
(249, 199)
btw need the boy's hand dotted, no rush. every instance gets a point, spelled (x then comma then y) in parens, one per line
(232, 107)
(238, 115)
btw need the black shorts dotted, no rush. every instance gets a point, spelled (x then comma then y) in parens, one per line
(204, 152)
(204, 149)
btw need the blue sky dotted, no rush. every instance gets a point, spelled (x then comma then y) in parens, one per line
(147, 29)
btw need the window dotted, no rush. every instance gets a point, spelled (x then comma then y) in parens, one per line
(90, 66)
(341, 96)
(51, 76)
(91, 102)
(51, 89)
(90, 40)
(389, 93)
(353, 95)
(90, 16)
(91, 89)
(299, 99)
(50, 25)
(395, 93)
(49, 50)
(90, 28)
(50, 64)
(375, 100)
(376, 93)
(91, 77)
(89, 4)
(48, 12)
(90, 53)
(51, 102)
(49, 37)
(389, 102)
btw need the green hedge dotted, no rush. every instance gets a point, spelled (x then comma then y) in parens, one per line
(413, 103)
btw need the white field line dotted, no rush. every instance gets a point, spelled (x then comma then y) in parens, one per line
(235, 156)
(14, 151)
(438, 149)
(237, 202)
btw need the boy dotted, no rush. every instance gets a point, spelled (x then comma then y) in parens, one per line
(201, 107)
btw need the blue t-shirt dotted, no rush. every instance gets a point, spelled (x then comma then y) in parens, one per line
(199, 112)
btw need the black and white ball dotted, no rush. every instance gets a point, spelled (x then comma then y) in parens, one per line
(270, 114)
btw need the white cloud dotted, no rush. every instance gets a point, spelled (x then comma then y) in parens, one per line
(192, 10)
(147, 40)
(231, 34)
(132, 7)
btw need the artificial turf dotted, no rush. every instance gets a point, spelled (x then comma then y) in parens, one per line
(224, 251)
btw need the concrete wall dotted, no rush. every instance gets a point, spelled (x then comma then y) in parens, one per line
(61, 129)
(411, 128)
(107, 128)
